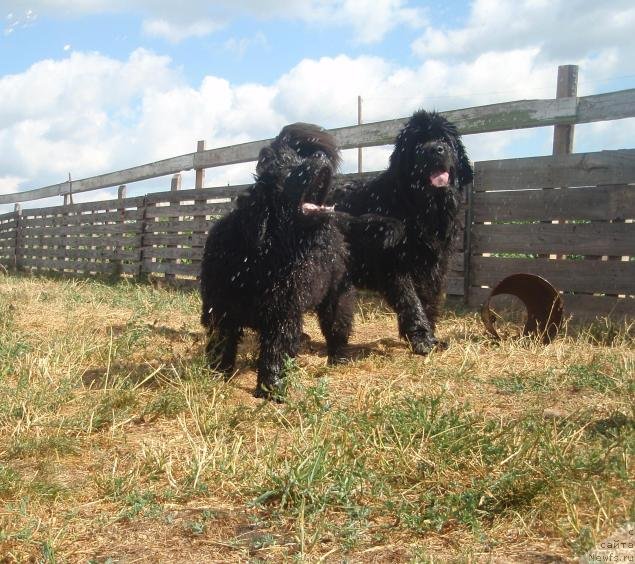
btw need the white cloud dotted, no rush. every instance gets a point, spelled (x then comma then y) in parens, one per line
(177, 32)
(561, 30)
(69, 115)
(239, 46)
(10, 184)
(370, 20)
(373, 19)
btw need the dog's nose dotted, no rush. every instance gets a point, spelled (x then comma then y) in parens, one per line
(439, 149)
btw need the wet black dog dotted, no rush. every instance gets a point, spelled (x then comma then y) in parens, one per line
(276, 256)
(405, 223)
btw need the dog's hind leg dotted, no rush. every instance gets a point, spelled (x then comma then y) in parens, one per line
(279, 342)
(414, 325)
(222, 346)
(336, 321)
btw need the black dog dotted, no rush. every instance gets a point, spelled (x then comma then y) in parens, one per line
(405, 222)
(277, 255)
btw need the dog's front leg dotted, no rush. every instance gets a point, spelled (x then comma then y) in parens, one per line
(279, 342)
(413, 321)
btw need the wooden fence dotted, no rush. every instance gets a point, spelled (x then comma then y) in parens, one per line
(158, 234)
(568, 217)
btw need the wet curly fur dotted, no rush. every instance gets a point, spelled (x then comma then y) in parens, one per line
(270, 260)
(405, 223)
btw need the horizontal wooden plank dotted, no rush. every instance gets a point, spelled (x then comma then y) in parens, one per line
(9, 223)
(129, 216)
(84, 266)
(481, 119)
(234, 154)
(577, 169)
(520, 114)
(608, 106)
(8, 234)
(613, 277)
(171, 268)
(114, 228)
(102, 205)
(195, 253)
(189, 240)
(585, 308)
(9, 216)
(612, 239)
(189, 210)
(215, 192)
(72, 254)
(78, 241)
(593, 203)
(198, 225)
(134, 174)
(455, 286)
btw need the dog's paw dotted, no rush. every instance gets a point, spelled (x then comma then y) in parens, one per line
(274, 390)
(219, 370)
(441, 345)
(424, 345)
(336, 357)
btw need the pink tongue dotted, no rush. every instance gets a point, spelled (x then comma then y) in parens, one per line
(440, 179)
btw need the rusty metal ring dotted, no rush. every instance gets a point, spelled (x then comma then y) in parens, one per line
(544, 305)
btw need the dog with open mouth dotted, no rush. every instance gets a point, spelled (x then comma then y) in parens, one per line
(276, 256)
(405, 221)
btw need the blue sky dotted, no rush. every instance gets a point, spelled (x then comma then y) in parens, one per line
(91, 86)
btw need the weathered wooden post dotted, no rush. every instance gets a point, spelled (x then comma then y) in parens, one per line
(567, 88)
(117, 261)
(359, 122)
(142, 273)
(467, 241)
(16, 262)
(172, 228)
(200, 172)
(199, 223)
(64, 224)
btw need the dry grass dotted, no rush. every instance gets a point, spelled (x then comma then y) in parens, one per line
(116, 444)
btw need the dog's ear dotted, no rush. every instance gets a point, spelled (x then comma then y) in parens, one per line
(465, 172)
(401, 156)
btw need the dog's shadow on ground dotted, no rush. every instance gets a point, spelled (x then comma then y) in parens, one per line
(353, 352)
(155, 373)
(156, 369)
